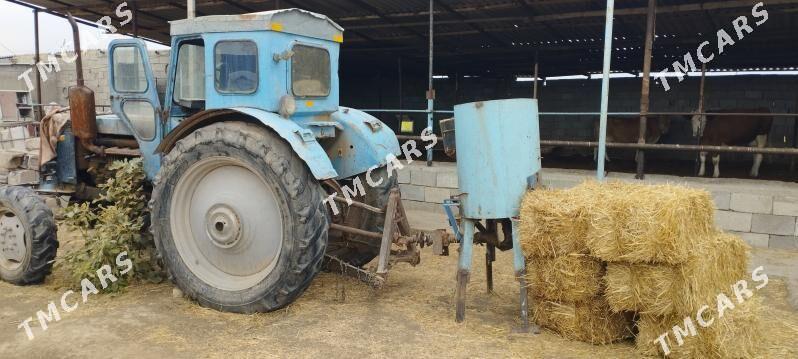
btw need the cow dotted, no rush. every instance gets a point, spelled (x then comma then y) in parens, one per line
(732, 131)
(625, 130)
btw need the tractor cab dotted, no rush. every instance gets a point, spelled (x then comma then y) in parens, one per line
(269, 60)
(282, 62)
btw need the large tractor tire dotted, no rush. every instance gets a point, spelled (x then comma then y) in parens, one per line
(238, 219)
(28, 241)
(355, 252)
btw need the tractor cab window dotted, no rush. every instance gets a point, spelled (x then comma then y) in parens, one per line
(129, 73)
(190, 76)
(310, 71)
(236, 66)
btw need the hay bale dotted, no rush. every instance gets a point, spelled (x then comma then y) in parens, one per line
(554, 223)
(639, 223)
(573, 278)
(591, 321)
(737, 334)
(719, 261)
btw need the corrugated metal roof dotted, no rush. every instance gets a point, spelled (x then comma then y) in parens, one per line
(504, 35)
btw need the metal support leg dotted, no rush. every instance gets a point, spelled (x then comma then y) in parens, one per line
(388, 232)
(464, 268)
(490, 257)
(519, 264)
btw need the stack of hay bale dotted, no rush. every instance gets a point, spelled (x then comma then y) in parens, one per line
(19, 159)
(567, 282)
(662, 260)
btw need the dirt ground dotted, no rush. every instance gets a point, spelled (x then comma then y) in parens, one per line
(413, 316)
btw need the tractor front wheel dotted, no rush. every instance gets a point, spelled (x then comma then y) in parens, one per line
(238, 219)
(28, 241)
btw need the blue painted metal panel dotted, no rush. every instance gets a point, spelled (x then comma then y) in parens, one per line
(151, 160)
(66, 165)
(363, 142)
(519, 262)
(301, 140)
(274, 76)
(112, 125)
(498, 149)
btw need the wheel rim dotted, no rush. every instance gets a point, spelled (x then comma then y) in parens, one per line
(227, 223)
(12, 240)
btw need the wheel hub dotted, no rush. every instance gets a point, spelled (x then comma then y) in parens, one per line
(12, 239)
(226, 223)
(224, 226)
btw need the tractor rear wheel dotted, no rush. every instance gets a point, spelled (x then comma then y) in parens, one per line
(28, 241)
(238, 218)
(356, 252)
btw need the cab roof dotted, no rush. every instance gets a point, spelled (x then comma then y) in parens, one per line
(292, 21)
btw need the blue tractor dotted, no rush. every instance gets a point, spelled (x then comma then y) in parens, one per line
(247, 149)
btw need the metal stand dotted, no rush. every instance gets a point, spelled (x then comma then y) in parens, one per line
(464, 268)
(519, 264)
(490, 257)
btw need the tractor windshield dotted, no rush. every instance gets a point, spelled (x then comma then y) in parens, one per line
(190, 77)
(310, 71)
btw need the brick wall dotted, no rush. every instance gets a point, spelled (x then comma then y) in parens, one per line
(763, 213)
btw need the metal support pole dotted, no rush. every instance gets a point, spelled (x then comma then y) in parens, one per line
(401, 100)
(794, 141)
(605, 90)
(519, 264)
(431, 92)
(701, 106)
(464, 269)
(136, 19)
(37, 110)
(535, 86)
(191, 9)
(703, 117)
(645, 92)
(490, 257)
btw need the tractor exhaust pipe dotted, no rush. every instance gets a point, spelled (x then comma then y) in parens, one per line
(81, 102)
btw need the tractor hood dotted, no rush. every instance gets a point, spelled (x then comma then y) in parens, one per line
(292, 21)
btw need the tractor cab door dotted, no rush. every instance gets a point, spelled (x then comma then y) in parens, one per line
(134, 97)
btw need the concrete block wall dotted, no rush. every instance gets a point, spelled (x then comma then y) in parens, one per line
(763, 213)
(425, 188)
(95, 73)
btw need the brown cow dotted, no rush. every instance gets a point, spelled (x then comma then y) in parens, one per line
(733, 131)
(626, 130)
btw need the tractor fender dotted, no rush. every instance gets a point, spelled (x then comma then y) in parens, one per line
(363, 142)
(302, 140)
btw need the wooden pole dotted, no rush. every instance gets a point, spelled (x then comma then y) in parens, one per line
(645, 93)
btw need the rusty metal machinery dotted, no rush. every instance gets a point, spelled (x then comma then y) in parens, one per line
(397, 242)
(81, 102)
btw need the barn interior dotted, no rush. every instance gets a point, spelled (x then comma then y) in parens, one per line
(551, 50)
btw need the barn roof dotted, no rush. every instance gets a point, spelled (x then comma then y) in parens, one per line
(502, 36)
